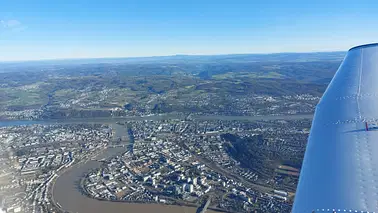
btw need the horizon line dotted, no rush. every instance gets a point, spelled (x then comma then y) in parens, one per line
(157, 56)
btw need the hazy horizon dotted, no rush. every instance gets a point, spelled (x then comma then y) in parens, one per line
(117, 29)
(171, 56)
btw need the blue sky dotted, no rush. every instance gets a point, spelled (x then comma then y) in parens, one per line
(32, 30)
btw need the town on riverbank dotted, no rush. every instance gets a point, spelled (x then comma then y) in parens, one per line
(171, 134)
(174, 161)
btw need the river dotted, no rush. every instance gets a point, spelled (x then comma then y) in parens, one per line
(67, 194)
(99, 120)
(66, 188)
(154, 117)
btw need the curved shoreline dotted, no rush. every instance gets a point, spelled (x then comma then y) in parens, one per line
(66, 192)
(107, 120)
(143, 203)
(66, 187)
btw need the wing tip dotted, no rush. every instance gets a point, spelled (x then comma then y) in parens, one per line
(364, 46)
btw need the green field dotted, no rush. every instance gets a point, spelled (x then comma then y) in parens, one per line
(243, 75)
(29, 96)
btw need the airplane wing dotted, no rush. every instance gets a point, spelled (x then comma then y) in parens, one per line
(340, 167)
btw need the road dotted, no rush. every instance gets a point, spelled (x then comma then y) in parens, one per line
(66, 189)
(226, 173)
(66, 192)
(68, 195)
(112, 120)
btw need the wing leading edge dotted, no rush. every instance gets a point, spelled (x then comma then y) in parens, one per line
(340, 167)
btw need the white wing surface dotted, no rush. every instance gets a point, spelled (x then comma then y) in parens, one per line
(340, 167)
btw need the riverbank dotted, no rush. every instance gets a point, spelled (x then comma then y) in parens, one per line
(67, 191)
(181, 204)
(110, 120)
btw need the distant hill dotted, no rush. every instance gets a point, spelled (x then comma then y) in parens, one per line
(308, 67)
(273, 57)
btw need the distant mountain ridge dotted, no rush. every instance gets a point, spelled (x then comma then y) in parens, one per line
(269, 57)
(308, 67)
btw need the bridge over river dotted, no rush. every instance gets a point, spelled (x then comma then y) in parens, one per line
(66, 189)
